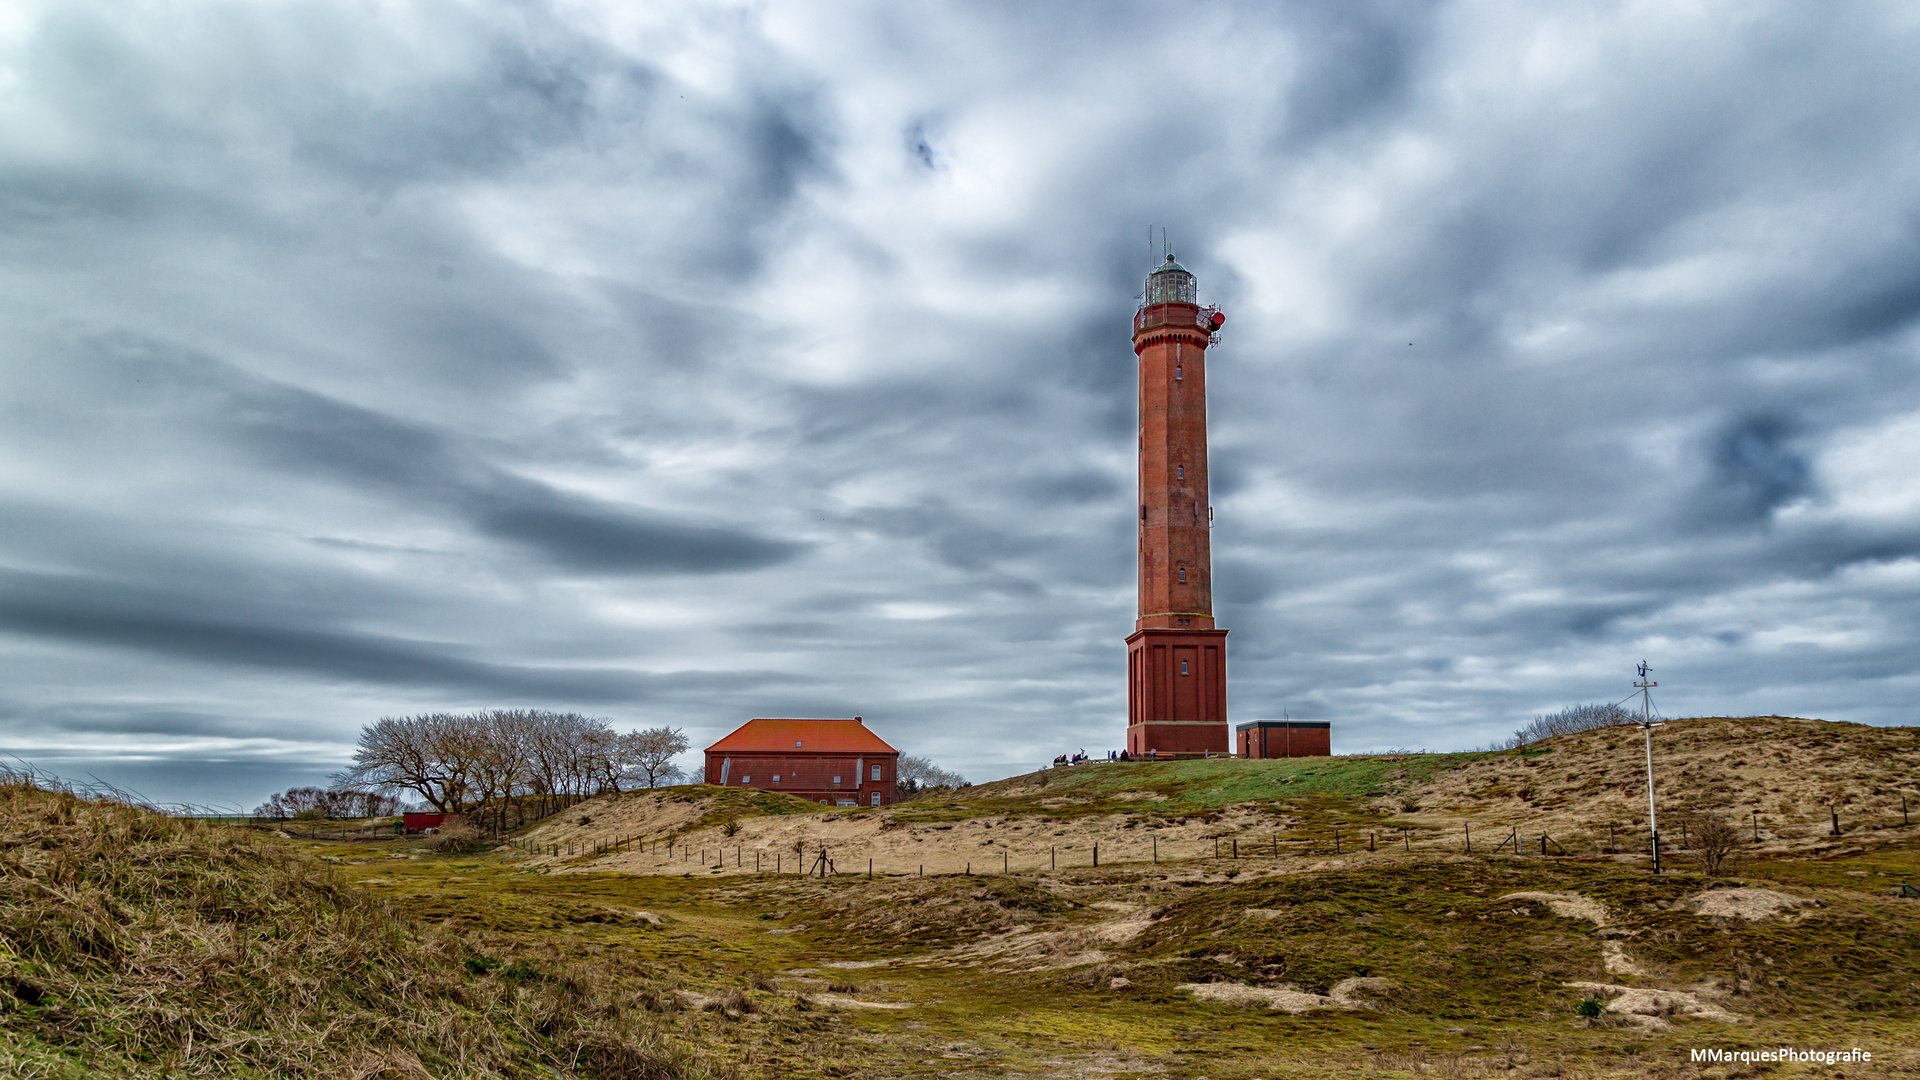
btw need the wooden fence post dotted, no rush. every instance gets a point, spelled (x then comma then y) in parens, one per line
(1469, 830)
(1096, 853)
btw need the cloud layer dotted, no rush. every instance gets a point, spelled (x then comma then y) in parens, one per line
(683, 363)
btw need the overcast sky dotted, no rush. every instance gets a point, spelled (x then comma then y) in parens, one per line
(684, 363)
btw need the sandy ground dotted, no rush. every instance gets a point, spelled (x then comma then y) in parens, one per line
(1341, 995)
(1777, 774)
(983, 845)
(1750, 905)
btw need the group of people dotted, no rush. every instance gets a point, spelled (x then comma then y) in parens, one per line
(1081, 757)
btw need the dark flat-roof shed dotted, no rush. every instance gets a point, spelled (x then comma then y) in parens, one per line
(1283, 738)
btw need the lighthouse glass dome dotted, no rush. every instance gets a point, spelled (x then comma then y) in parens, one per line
(1171, 284)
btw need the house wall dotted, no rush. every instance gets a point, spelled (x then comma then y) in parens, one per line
(1283, 740)
(809, 775)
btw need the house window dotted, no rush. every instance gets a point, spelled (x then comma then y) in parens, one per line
(876, 798)
(876, 772)
(1183, 667)
(836, 780)
(746, 780)
(776, 778)
(796, 744)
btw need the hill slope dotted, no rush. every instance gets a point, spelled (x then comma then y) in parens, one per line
(138, 945)
(1781, 776)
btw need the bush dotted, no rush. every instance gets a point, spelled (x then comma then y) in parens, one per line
(730, 828)
(457, 837)
(1715, 841)
(1589, 1008)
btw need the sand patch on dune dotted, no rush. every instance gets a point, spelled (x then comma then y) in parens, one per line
(1292, 999)
(1750, 905)
(1569, 905)
(1652, 1008)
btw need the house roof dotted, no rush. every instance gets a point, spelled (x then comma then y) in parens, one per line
(826, 736)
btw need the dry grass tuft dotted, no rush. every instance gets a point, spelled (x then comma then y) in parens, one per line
(137, 944)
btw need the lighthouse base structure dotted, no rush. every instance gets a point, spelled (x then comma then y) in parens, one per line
(1177, 694)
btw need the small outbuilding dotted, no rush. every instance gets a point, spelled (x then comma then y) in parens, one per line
(1283, 738)
(834, 762)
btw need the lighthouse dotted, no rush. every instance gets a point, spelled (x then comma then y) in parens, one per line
(1176, 657)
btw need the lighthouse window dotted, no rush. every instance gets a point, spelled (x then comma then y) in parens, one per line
(1178, 372)
(1179, 472)
(1183, 577)
(1183, 667)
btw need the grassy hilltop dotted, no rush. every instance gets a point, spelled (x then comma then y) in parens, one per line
(1352, 935)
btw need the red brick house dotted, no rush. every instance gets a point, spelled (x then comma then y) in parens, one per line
(835, 762)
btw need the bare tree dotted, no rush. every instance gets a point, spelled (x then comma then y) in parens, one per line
(647, 755)
(423, 754)
(489, 764)
(1567, 721)
(1715, 841)
(313, 802)
(917, 776)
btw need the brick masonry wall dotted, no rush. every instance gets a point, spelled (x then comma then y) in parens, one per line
(810, 776)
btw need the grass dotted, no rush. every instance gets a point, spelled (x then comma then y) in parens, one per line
(1183, 787)
(139, 945)
(125, 934)
(1008, 975)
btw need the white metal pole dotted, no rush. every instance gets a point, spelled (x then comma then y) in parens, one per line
(1646, 725)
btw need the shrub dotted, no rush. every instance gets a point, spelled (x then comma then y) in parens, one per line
(1589, 1008)
(730, 828)
(457, 837)
(1715, 841)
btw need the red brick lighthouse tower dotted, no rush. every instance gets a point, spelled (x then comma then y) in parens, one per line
(1176, 658)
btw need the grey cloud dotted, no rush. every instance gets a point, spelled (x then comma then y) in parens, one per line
(303, 431)
(103, 613)
(1757, 468)
(789, 372)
